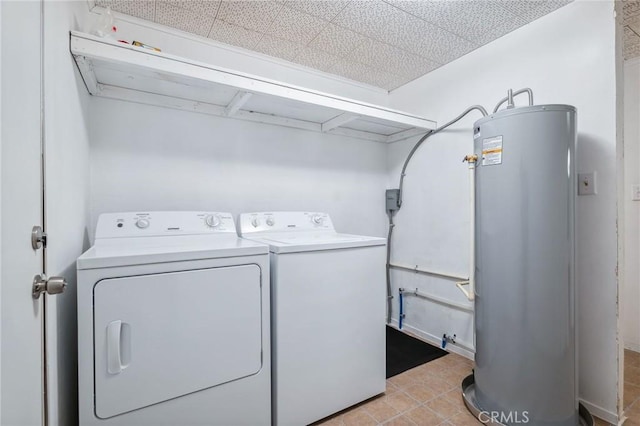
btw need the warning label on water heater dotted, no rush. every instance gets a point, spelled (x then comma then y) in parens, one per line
(492, 151)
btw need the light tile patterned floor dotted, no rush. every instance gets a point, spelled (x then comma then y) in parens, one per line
(632, 387)
(430, 395)
(426, 395)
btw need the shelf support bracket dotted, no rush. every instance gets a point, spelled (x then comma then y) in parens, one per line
(236, 103)
(338, 121)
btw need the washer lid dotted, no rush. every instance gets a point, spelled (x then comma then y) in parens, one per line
(112, 252)
(289, 242)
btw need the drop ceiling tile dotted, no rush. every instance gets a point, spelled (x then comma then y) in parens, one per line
(467, 18)
(630, 8)
(360, 72)
(499, 31)
(182, 19)
(532, 10)
(144, 9)
(233, 34)
(254, 15)
(296, 26)
(337, 40)
(392, 59)
(405, 31)
(633, 23)
(630, 36)
(439, 45)
(323, 9)
(203, 7)
(632, 51)
(631, 44)
(277, 47)
(476, 18)
(316, 59)
(378, 20)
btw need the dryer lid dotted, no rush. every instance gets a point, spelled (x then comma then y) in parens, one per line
(142, 251)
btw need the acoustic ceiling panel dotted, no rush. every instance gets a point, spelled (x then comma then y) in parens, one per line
(377, 42)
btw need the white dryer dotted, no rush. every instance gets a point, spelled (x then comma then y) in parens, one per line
(173, 323)
(328, 314)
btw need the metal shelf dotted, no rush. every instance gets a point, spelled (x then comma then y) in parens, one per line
(120, 71)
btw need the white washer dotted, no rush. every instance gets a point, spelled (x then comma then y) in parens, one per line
(173, 323)
(328, 314)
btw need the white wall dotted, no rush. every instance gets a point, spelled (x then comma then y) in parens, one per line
(630, 297)
(145, 157)
(152, 158)
(566, 57)
(67, 201)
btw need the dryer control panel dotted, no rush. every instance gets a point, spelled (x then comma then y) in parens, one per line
(284, 222)
(150, 224)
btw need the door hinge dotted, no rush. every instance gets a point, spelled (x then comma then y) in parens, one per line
(38, 238)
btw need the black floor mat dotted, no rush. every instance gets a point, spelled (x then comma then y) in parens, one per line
(405, 352)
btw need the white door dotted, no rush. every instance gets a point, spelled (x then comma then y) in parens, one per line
(21, 316)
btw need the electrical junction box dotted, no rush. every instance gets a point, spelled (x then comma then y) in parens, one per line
(393, 199)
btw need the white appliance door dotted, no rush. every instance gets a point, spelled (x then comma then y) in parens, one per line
(161, 336)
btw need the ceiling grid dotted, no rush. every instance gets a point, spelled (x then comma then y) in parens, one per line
(384, 43)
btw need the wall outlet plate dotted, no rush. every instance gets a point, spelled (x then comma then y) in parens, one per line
(635, 192)
(587, 184)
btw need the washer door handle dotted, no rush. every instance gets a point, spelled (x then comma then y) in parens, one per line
(114, 363)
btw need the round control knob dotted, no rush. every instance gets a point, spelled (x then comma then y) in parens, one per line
(270, 221)
(212, 220)
(142, 223)
(255, 222)
(317, 219)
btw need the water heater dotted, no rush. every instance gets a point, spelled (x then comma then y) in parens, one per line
(525, 365)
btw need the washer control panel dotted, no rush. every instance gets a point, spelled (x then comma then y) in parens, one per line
(284, 222)
(149, 224)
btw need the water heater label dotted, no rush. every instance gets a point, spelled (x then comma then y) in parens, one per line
(492, 151)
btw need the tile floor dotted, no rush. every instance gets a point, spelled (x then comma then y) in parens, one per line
(430, 395)
(425, 395)
(632, 387)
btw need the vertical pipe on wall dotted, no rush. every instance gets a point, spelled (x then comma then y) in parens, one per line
(388, 267)
(470, 292)
(401, 309)
(472, 227)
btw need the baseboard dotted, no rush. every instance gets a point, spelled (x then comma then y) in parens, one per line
(434, 340)
(601, 413)
(633, 346)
